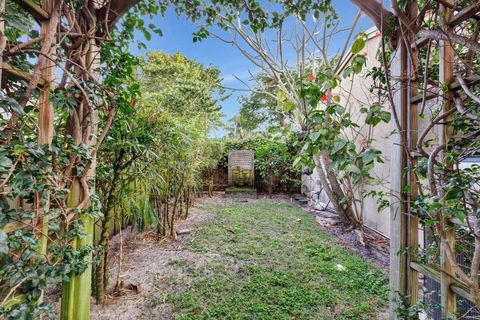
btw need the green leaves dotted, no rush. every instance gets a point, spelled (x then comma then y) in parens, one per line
(359, 42)
(17, 22)
(5, 163)
(358, 45)
(351, 168)
(358, 62)
(375, 115)
(63, 100)
(156, 30)
(201, 34)
(276, 164)
(370, 155)
(180, 85)
(258, 16)
(11, 104)
(297, 161)
(314, 136)
(339, 145)
(283, 103)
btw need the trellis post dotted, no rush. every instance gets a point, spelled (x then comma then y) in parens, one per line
(446, 58)
(404, 227)
(398, 224)
(412, 232)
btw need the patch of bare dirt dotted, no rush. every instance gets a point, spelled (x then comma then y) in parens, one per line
(375, 247)
(146, 265)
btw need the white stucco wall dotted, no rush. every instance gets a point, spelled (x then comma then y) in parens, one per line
(354, 94)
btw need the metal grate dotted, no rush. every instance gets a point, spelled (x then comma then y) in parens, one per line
(432, 300)
(465, 309)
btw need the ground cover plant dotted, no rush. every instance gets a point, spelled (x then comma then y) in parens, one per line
(273, 262)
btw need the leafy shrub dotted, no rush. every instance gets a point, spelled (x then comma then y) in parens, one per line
(274, 170)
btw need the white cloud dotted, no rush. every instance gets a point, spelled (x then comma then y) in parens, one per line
(242, 75)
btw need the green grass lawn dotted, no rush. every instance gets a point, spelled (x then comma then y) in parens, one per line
(273, 262)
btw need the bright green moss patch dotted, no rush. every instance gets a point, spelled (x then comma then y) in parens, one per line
(273, 262)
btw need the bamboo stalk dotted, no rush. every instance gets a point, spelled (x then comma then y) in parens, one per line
(83, 282)
(76, 292)
(68, 287)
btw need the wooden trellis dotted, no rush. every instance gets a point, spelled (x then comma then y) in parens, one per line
(404, 267)
(44, 82)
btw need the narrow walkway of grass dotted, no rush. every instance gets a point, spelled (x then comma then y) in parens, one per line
(272, 262)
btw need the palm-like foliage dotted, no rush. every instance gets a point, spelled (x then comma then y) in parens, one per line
(155, 154)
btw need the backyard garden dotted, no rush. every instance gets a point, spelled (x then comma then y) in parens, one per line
(344, 186)
(258, 260)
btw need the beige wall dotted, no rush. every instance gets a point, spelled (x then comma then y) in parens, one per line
(355, 95)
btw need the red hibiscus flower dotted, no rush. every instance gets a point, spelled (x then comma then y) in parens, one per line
(312, 77)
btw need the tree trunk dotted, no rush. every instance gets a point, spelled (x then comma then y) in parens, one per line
(340, 195)
(77, 291)
(101, 275)
(333, 191)
(270, 186)
(45, 127)
(210, 186)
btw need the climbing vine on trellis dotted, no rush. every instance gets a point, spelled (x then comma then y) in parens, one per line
(62, 84)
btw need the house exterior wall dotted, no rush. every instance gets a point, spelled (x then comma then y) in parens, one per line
(354, 95)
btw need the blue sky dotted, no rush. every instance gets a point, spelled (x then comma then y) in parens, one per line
(177, 36)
